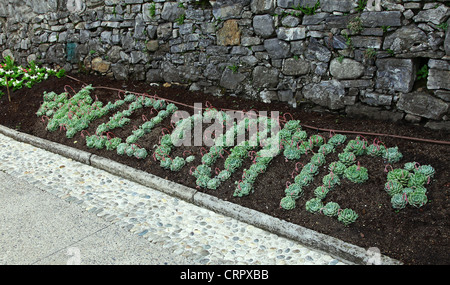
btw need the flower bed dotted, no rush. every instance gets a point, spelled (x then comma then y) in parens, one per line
(337, 184)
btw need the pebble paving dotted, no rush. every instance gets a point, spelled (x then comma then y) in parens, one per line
(182, 228)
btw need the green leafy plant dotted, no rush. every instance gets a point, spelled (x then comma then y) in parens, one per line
(308, 10)
(356, 174)
(347, 216)
(392, 155)
(287, 203)
(347, 158)
(399, 175)
(393, 187)
(314, 205)
(422, 73)
(321, 192)
(337, 167)
(294, 190)
(398, 201)
(331, 209)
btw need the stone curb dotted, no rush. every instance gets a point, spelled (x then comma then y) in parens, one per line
(315, 240)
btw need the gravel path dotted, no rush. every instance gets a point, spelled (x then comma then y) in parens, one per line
(174, 225)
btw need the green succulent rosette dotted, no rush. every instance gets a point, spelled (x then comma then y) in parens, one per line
(356, 174)
(347, 216)
(393, 187)
(399, 201)
(287, 203)
(331, 209)
(314, 205)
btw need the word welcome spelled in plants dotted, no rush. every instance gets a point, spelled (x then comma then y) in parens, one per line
(255, 138)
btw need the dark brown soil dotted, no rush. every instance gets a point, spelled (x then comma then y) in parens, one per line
(414, 236)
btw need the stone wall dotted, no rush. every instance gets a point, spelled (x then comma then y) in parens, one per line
(338, 56)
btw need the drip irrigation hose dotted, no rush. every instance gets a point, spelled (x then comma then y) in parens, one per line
(282, 120)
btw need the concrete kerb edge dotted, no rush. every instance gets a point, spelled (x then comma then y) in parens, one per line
(309, 238)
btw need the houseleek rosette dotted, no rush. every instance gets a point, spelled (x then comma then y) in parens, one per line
(331, 180)
(304, 179)
(392, 155)
(314, 205)
(399, 175)
(177, 163)
(417, 180)
(337, 167)
(376, 150)
(356, 146)
(427, 170)
(287, 203)
(294, 190)
(337, 139)
(347, 158)
(321, 192)
(242, 189)
(326, 149)
(399, 201)
(356, 174)
(331, 209)
(393, 187)
(318, 159)
(347, 216)
(417, 199)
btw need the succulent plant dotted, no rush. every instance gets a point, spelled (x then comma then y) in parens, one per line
(201, 170)
(400, 175)
(310, 169)
(243, 189)
(132, 139)
(347, 158)
(287, 203)
(331, 209)
(392, 155)
(321, 192)
(113, 143)
(130, 150)
(224, 175)
(417, 179)
(356, 174)
(122, 148)
(232, 163)
(410, 166)
(209, 159)
(417, 199)
(318, 159)
(337, 139)
(326, 149)
(393, 187)
(304, 179)
(148, 126)
(347, 216)
(140, 153)
(299, 136)
(165, 162)
(190, 158)
(294, 190)
(177, 163)
(292, 152)
(376, 150)
(399, 201)
(292, 125)
(213, 183)
(356, 146)
(331, 180)
(316, 140)
(337, 167)
(314, 205)
(427, 170)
